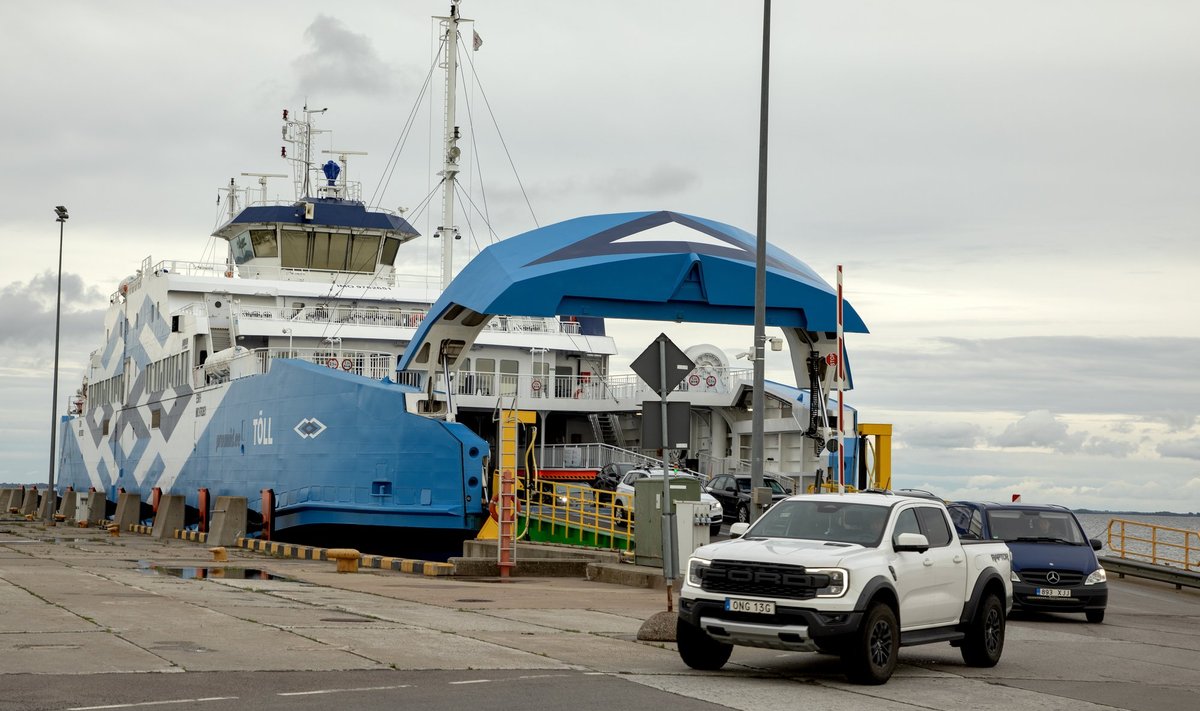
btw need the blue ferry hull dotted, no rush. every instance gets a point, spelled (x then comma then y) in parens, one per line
(336, 449)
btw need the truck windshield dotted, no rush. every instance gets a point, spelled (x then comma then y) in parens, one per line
(1034, 525)
(822, 521)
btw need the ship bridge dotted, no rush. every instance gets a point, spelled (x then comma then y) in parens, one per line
(655, 266)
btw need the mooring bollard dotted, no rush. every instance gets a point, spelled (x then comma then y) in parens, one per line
(219, 554)
(347, 559)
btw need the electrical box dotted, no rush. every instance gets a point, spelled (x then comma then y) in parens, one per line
(647, 514)
(692, 519)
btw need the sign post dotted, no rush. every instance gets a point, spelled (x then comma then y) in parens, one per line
(663, 366)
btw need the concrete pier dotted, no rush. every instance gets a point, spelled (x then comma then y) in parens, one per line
(84, 618)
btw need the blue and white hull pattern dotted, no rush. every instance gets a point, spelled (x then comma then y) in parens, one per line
(336, 448)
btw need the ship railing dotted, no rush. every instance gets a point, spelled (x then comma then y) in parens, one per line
(391, 318)
(593, 455)
(1154, 544)
(627, 388)
(375, 365)
(577, 514)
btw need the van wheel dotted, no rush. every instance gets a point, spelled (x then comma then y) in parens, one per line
(871, 656)
(985, 634)
(1096, 616)
(697, 649)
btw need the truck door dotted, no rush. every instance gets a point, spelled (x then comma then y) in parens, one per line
(947, 574)
(910, 573)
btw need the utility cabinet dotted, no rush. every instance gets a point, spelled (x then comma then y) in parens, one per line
(647, 515)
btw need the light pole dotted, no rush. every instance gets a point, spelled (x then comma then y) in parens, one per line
(288, 331)
(62, 221)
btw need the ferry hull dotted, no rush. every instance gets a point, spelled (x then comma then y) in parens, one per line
(336, 449)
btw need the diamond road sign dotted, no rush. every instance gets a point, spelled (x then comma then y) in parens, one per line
(648, 365)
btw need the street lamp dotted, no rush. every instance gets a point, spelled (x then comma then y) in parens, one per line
(62, 220)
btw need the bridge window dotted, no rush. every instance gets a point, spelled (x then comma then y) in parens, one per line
(333, 251)
(294, 249)
(242, 251)
(391, 245)
(264, 243)
(363, 251)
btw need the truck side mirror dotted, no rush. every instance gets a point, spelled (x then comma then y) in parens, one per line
(910, 542)
(737, 530)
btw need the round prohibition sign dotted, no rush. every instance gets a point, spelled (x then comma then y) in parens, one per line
(536, 385)
(831, 359)
(347, 364)
(710, 380)
(332, 363)
(693, 380)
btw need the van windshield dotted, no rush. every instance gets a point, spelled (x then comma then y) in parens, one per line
(1034, 526)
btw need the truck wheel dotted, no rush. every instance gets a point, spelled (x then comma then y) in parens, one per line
(985, 634)
(743, 514)
(697, 649)
(1096, 616)
(871, 656)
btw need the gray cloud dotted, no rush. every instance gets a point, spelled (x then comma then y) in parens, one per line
(944, 436)
(1105, 447)
(340, 62)
(1040, 429)
(1181, 448)
(27, 309)
(1175, 421)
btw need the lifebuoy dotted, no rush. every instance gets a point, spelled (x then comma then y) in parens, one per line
(494, 508)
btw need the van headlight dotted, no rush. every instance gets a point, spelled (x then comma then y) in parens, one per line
(838, 580)
(696, 568)
(1098, 576)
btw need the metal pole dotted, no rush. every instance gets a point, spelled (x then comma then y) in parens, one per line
(841, 376)
(668, 508)
(760, 272)
(62, 219)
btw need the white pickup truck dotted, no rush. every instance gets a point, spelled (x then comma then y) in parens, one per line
(858, 575)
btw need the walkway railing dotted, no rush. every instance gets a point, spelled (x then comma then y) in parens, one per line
(578, 515)
(369, 364)
(1158, 545)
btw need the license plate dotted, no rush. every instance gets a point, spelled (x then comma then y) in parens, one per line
(1052, 592)
(757, 607)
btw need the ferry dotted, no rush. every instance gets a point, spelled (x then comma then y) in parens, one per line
(283, 372)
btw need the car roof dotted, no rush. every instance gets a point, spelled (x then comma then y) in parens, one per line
(871, 499)
(1015, 506)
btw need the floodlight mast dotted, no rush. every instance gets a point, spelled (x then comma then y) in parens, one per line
(61, 212)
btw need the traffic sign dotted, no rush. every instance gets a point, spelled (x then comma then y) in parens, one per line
(648, 365)
(831, 359)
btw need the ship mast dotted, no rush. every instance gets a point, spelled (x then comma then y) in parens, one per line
(447, 231)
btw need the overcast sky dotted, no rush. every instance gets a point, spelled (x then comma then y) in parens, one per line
(1013, 188)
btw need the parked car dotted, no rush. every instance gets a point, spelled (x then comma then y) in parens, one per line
(610, 475)
(1054, 564)
(623, 497)
(733, 491)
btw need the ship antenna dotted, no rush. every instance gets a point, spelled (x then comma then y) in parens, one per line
(450, 139)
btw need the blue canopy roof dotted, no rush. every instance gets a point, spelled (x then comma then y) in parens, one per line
(658, 266)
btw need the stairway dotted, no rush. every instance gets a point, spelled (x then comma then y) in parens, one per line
(220, 339)
(606, 428)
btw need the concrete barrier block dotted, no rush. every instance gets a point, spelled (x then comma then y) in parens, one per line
(46, 507)
(67, 508)
(228, 521)
(169, 516)
(29, 503)
(129, 510)
(96, 505)
(5, 499)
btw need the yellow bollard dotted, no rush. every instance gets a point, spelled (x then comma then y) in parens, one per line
(219, 554)
(81, 524)
(114, 530)
(347, 559)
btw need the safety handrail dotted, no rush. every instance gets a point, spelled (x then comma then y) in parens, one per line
(1176, 542)
(580, 510)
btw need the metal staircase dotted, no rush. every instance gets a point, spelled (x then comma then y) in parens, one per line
(606, 428)
(220, 339)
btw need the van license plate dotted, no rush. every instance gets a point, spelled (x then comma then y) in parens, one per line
(1052, 592)
(757, 607)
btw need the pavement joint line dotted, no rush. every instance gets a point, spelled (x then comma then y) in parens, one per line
(338, 691)
(153, 703)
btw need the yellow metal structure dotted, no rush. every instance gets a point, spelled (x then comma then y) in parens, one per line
(506, 493)
(1176, 547)
(880, 476)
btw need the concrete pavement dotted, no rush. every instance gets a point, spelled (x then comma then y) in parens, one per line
(89, 616)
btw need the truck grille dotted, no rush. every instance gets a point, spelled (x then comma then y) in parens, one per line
(1065, 577)
(766, 579)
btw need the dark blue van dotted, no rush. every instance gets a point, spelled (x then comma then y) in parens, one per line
(1054, 564)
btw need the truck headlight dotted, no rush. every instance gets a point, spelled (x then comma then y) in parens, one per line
(696, 568)
(838, 580)
(1098, 576)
